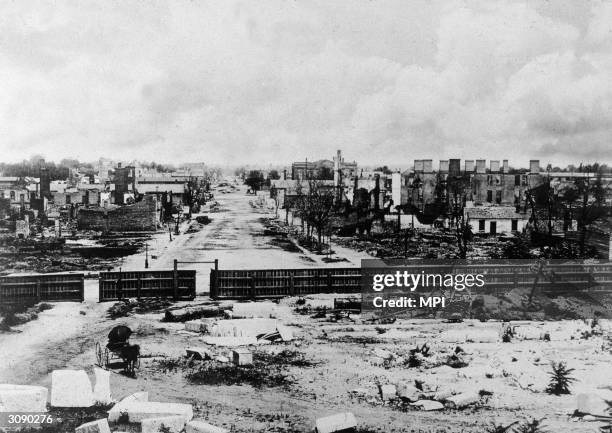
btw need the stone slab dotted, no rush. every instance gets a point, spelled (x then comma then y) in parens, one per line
(428, 405)
(71, 388)
(101, 392)
(23, 398)
(199, 426)
(285, 332)
(195, 326)
(388, 392)
(254, 309)
(97, 426)
(340, 422)
(462, 400)
(139, 410)
(232, 341)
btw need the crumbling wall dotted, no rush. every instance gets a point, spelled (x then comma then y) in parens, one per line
(141, 216)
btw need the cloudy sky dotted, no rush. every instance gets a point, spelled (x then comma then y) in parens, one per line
(276, 81)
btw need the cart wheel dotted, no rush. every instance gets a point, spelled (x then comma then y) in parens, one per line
(106, 357)
(137, 363)
(99, 355)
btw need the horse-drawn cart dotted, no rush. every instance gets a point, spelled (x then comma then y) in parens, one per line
(119, 347)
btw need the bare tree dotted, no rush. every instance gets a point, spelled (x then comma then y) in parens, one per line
(315, 208)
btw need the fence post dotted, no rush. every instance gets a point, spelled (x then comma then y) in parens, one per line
(291, 284)
(38, 297)
(213, 284)
(252, 288)
(100, 279)
(329, 282)
(216, 264)
(82, 288)
(515, 274)
(138, 287)
(175, 281)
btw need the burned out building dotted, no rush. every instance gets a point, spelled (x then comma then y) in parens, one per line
(141, 216)
(124, 179)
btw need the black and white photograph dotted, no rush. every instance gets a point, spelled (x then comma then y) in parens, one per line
(305, 216)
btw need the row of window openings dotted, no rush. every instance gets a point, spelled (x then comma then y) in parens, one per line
(493, 226)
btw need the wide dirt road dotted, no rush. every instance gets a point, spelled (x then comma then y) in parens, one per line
(234, 236)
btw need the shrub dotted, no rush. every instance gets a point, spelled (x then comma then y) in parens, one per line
(560, 379)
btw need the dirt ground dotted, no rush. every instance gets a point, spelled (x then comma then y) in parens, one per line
(347, 368)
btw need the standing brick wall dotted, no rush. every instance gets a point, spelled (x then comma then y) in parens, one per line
(141, 216)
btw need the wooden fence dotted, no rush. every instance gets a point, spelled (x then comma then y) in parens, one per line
(271, 283)
(499, 278)
(33, 288)
(176, 284)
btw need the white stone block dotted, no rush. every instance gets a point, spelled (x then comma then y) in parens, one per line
(23, 398)
(139, 410)
(71, 388)
(242, 357)
(334, 423)
(195, 326)
(428, 405)
(173, 424)
(231, 341)
(102, 387)
(388, 392)
(254, 309)
(199, 426)
(285, 332)
(462, 400)
(98, 426)
(407, 391)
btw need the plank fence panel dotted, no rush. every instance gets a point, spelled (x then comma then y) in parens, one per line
(147, 284)
(33, 288)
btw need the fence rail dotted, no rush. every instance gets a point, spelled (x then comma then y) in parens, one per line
(556, 279)
(33, 288)
(177, 284)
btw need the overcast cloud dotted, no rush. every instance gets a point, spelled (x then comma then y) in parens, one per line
(275, 81)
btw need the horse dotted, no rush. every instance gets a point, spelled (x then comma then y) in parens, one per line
(130, 354)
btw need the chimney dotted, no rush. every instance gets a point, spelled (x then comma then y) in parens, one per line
(443, 166)
(494, 164)
(534, 166)
(469, 165)
(481, 166)
(396, 188)
(505, 168)
(427, 166)
(377, 192)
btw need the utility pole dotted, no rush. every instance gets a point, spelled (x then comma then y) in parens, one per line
(146, 255)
